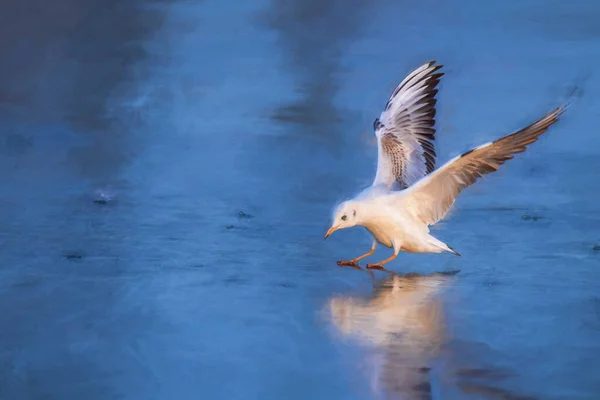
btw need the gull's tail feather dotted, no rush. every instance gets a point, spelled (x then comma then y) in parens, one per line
(441, 246)
(451, 250)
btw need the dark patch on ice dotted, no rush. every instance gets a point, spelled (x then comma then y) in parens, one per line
(422, 388)
(440, 273)
(448, 273)
(242, 214)
(526, 217)
(104, 196)
(229, 227)
(596, 247)
(483, 373)
(235, 280)
(73, 255)
(287, 285)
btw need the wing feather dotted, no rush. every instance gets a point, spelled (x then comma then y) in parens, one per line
(405, 130)
(432, 197)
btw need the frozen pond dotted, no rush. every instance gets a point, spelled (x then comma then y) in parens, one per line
(169, 169)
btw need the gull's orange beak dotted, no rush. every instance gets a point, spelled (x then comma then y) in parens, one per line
(331, 230)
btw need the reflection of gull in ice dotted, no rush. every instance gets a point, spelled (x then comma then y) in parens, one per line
(410, 352)
(401, 304)
(403, 322)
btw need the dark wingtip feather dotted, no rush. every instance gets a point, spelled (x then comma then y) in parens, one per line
(533, 131)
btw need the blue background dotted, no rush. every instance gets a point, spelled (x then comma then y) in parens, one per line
(133, 133)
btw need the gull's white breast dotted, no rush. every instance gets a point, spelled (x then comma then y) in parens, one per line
(388, 223)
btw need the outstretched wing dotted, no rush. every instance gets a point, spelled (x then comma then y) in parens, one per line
(405, 132)
(432, 197)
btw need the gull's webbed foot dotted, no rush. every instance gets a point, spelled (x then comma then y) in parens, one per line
(375, 266)
(350, 263)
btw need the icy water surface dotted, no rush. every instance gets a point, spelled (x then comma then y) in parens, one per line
(169, 169)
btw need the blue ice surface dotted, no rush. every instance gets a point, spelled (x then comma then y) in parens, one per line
(134, 133)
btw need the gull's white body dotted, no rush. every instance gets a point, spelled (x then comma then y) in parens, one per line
(408, 195)
(393, 225)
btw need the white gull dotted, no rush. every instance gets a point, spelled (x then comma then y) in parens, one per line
(407, 195)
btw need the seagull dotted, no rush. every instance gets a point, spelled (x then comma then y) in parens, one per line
(407, 195)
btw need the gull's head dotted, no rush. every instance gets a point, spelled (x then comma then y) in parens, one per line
(344, 216)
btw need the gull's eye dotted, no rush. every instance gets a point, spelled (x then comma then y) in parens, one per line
(377, 124)
(344, 217)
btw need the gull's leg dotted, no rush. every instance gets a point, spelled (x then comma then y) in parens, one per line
(379, 265)
(354, 262)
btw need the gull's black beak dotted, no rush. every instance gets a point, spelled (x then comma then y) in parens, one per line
(331, 230)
